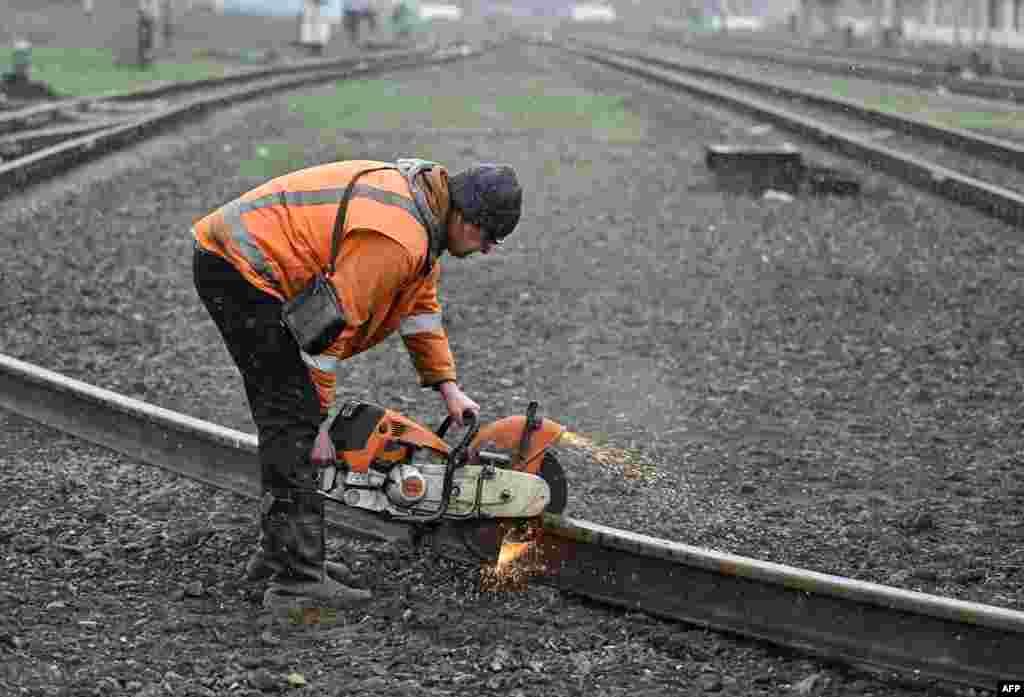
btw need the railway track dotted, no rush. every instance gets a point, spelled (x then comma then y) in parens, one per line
(838, 618)
(834, 617)
(864, 64)
(965, 167)
(46, 139)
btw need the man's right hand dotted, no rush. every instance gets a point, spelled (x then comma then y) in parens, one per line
(458, 403)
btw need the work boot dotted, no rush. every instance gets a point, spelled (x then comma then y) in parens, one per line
(263, 563)
(262, 566)
(295, 540)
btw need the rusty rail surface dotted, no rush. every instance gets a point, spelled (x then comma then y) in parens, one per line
(838, 618)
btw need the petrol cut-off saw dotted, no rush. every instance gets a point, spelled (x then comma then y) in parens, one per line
(496, 477)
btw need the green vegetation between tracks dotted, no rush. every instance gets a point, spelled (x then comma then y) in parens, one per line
(79, 72)
(381, 104)
(918, 105)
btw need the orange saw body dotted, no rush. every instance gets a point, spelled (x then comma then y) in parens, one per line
(391, 465)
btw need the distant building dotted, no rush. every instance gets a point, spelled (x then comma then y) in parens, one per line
(270, 8)
(962, 22)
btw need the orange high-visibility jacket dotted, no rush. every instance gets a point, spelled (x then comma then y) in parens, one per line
(278, 236)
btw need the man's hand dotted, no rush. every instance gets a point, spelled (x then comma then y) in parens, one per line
(323, 453)
(457, 402)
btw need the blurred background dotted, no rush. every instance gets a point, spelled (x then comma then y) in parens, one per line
(88, 46)
(966, 21)
(969, 23)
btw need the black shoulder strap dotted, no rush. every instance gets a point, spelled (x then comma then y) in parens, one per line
(339, 219)
(409, 168)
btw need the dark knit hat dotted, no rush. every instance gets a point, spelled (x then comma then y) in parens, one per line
(489, 196)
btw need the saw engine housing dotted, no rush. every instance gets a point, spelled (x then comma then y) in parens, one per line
(407, 485)
(392, 465)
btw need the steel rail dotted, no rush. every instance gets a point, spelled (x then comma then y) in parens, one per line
(22, 143)
(838, 618)
(39, 164)
(21, 118)
(221, 457)
(992, 199)
(988, 87)
(33, 116)
(942, 67)
(934, 60)
(998, 149)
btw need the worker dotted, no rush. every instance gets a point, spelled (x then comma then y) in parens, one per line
(403, 18)
(257, 252)
(354, 13)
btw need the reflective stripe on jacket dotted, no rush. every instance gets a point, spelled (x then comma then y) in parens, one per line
(279, 236)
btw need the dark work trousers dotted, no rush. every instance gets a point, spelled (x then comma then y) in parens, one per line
(282, 396)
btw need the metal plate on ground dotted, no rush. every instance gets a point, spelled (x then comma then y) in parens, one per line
(755, 168)
(830, 181)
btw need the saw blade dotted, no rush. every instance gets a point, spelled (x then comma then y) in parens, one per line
(484, 537)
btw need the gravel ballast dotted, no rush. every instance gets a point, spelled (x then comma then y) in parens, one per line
(829, 383)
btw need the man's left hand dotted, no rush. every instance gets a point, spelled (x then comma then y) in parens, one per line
(324, 452)
(458, 402)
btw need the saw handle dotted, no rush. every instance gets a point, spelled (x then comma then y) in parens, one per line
(456, 459)
(472, 428)
(532, 424)
(467, 417)
(443, 428)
